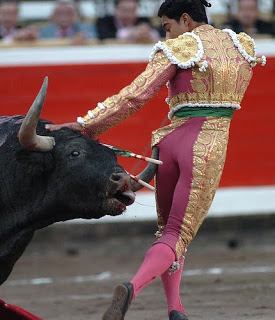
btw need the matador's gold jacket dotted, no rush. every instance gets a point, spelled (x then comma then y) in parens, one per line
(207, 67)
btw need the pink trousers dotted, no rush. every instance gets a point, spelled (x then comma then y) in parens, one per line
(193, 158)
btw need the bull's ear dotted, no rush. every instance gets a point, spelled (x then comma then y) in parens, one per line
(35, 163)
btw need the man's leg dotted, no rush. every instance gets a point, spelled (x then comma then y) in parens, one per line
(171, 285)
(203, 164)
(157, 261)
(184, 139)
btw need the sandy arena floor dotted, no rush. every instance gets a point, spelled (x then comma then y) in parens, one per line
(77, 282)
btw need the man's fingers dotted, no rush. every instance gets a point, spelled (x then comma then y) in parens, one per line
(71, 125)
(52, 127)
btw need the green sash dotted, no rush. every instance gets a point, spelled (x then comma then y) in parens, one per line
(190, 112)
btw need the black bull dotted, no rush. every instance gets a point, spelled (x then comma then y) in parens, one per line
(48, 177)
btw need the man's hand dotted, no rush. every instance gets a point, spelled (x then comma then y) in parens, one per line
(71, 125)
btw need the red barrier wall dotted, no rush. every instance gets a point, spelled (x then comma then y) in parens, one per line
(73, 89)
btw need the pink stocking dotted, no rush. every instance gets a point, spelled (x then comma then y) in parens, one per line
(157, 261)
(171, 285)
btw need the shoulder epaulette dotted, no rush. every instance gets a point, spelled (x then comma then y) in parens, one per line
(185, 51)
(246, 46)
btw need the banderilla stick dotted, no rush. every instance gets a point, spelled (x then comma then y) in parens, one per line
(130, 154)
(143, 183)
(137, 156)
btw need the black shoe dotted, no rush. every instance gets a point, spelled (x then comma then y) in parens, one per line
(121, 302)
(176, 315)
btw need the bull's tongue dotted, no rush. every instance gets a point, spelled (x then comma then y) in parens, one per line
(130, 195)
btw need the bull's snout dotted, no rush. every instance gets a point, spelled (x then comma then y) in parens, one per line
(122, 181)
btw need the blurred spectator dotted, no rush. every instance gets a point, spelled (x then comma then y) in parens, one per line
(125, 25)
(248, 20)
(65, 24)
(10, 29)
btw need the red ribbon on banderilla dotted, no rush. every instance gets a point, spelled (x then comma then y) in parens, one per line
(130, 154)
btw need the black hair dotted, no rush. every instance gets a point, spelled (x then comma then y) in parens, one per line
(174, 9)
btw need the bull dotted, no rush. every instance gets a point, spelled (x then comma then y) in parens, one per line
(48, 177)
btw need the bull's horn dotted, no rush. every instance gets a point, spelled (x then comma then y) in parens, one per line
(27, 133)
(148, 173)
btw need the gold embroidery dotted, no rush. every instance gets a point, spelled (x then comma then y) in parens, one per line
(205, 97)
(160, 133)
(228, 44)
(183, 48)
(198, 85)
(245, 72)
(227, 76)
(160, 220)
(247, 43)
(180, 249)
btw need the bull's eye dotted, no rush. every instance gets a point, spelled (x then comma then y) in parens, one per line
(75, 153)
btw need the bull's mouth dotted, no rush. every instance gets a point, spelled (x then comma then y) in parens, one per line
(119, 194)
(119, 201)
(126, 197)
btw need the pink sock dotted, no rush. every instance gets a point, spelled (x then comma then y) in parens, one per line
(171, 285)
(157, 260)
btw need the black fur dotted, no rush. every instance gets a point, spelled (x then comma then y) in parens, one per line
(40, 188)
